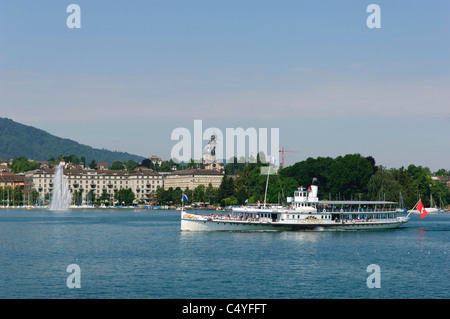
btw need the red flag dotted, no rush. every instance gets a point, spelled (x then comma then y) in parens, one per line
(421, 209)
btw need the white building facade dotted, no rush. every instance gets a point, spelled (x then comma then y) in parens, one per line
(143, 182)
(192, 178)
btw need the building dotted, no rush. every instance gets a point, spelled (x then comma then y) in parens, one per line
(101, 166)
(44, 164)
(141, 181)
(3, 165)
(210, 160)
(192, 177)
(155, 160)
(11, 179)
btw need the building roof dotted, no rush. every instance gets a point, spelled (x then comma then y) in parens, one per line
(11, 178)
(196, 171)
(77, 171)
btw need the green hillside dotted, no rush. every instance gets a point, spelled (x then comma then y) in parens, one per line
(21, 140)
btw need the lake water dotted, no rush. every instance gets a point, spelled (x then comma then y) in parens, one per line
(143, 254)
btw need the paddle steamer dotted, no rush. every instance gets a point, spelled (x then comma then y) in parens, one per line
(303, 212)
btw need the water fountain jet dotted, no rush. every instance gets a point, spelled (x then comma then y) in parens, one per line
(61, 197)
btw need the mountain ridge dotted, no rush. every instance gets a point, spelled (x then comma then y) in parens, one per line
(18, 139)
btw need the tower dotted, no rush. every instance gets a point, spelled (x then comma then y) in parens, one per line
(210, 157)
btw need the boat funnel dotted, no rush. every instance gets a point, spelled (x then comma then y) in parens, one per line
(314, 189)
(313, 193)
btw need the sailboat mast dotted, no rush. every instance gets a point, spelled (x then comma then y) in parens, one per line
(267, 183)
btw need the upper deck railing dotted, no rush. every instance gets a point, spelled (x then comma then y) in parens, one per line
(356, 206)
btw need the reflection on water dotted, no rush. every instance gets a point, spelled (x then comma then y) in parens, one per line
(420, 233)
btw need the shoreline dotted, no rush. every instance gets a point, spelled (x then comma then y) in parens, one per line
(113, 207)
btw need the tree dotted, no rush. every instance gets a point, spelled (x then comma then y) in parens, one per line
(233, 167)
(441, 193)
(226, 187)
(408, 189)
(166, 166)
(117, 165)
(241, 196)
(91, 196)
(228, 201)
(93, 164)
(17, 196)
(383, 186)
(124, 196)
(104, 197)
(372, 162)
(160, 195)
(177, 194)
(77, 197)
(279, 188)
(442, 172)
(83, 161)
(242, 183)
(421, 182)
(147, 163)
(131, 165)
(33, 198)
(192, 164)
(210, 194)
(21, 164)
(199, 193)
(303, 173)
(349, 176)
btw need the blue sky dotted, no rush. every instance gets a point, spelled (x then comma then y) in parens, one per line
(136, 70)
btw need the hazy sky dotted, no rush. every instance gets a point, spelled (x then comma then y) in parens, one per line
(137, 70)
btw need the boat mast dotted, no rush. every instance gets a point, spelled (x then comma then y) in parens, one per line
(267, 183)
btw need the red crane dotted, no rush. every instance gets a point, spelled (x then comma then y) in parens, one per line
(282, 155)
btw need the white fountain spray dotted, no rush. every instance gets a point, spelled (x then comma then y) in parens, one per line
(61, 197)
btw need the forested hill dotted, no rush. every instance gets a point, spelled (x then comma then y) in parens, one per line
(21, 140)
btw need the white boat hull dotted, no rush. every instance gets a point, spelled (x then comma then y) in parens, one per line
(190, 222)
(205, 225)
